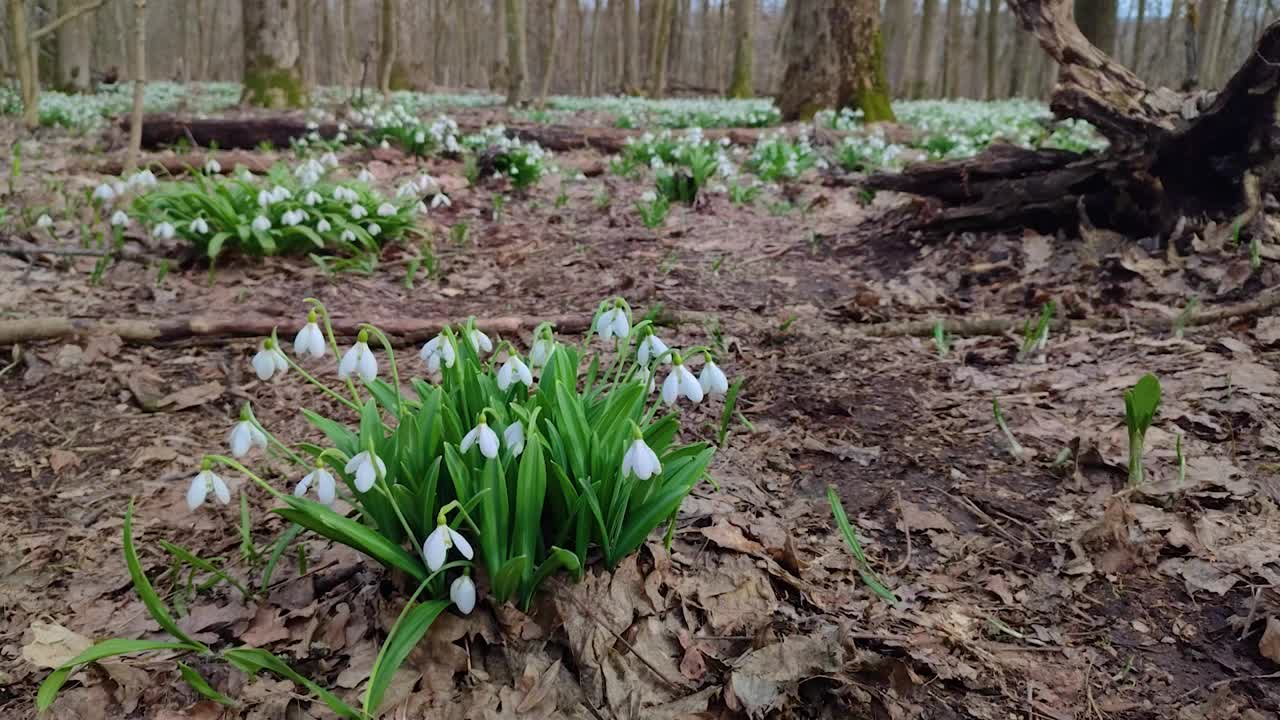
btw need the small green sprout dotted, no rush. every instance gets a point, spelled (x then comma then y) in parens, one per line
(864, 568)
(1015, 448)
(941, 340)
(653, 209)
(1255, 252)
(1035, 337)
(1140, 405)
(1184, 318)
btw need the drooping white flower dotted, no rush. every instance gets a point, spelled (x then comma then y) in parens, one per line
(343, 193)
(365, 176)
(480, 342)
(119, 218)
(212, 166)
(204, 482)
(384, 144)
(426, 183)
(514, 370)
(641, 460)
(261, 223)
(712, 379)
(163, 231)
(436, 547)
(651, 347)
(326, 489)
(312, 198)
(280, 193)
(463, 594)
(360, 360)
(329, 159)
(373, 229)
(420, 208)
(482, 435)
(323, 226)
(681, 382)
(648, 196)
(438, 349)
(269, 360)
(386, 210)
(613, 323)
(440, 200)
(265, 198)
(104, 193)
(290, 218)
(142, 178)
(358, 211)
(513, 438)
(367, 468)
(647, 377)
(309, 340)
(540, 351)
(419, 137)
(244, 437)
(44, 221)
(348, 236)
(199, 226)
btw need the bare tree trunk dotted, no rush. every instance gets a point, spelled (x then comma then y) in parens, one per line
(898, 23)
(387, 55)
(24, 61)
(75, 53)
(658, 53)
(581, 58)
(594, 61)
(551, 54)
(306, 43)
(139, 84)
(1191, 40)
(722, 34)
(1222, 47)
(271, 54)
(743, 52)
(1097, 20)
(954, 31)
(1136, 62)
(992, 36)
(517, 68)
(705, 34)
(779, 59)
(835, 58)
(630, 43)
(924, 53)
(1021, 61)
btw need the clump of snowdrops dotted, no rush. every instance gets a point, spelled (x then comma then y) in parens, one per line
(502, 463)
(499, 156)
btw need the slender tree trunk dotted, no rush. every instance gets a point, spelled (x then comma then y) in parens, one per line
(551, 54)
(1191, 40)
(271, 54)
(306, 44)
(835, 58)
(1222, 46)
(630, 40)
(924, 53)
(1136, 62)
(992, 37)
(75, 52)
(706, 33)
(139, 84)
(658, 55)
(678, 15)
(594, 61)
(743, 19)
(1021, 57)
(722, 35)
(779, 59)
(951, 53)
(350, 55)
(24, 62)
(517, 68)
(898, 24)
(1097, 20)
(387, 51)
(580, 52)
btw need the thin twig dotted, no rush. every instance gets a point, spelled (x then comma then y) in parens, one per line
(906, 530)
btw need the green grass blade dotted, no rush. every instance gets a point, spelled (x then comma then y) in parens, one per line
(159, 611)
(864, 568)
(202, 686)
(184, 555)
(254, 660)
(100, 651)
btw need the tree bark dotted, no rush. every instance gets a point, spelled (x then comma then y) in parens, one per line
(630, 43)
(924, 67)
(1097, 20)
(551, 54)
(1021, 61)
(1139, 22)
(743, 49)
(835, 58)
(387, 53)
(272, 77)
(992, 37)
(75, 54)
(24, 62)
(139, 84)
(594, 60)
(722, 35)
(517, 68)
(658, 54)
(898, 23)
(952, 34)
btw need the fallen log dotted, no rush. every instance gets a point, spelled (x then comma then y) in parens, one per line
(174, 164)
(1173, 157)
(246, 133)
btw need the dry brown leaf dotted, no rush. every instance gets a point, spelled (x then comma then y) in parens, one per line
(51, 644)
(62, 459)
(761, 678)
(919, 519)
(190, 397)
(1269, 645)
(730, 537)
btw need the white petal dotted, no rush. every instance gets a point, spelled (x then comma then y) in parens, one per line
(355, 462)
(436, 548)
(257, 437)
(488, 442)
(264, 365)
(513, 438)
(526, 376)
(671, 387)
(282, 364)
(326, 490)
(629, 461)
(460, 542)
(241, 439)
(366, 476)
(689, 386)
(368, 365)
(469, 439)
(220, 490)
(301, 488)
(463, 594)
(198, 490)
(621, 326)
(604, 325)
(504, 376)
(349, 361)
(655, 467)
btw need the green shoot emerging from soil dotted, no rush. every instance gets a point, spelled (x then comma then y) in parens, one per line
(1140, 405)
(1035, 337)
(864, 568)
(1015, 448)
(940, 339)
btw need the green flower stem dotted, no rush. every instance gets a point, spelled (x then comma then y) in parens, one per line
(333, 345)
(391, 358)
(325, 388)
(235, 465)
(273, 439)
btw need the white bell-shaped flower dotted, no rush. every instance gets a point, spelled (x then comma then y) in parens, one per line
(44, 221)
(680, 382)
(348, 236)
(513, 438)
(245, 437)
(646, 376)
(326, 488)
(386, 210)
(119, 218)
(310, 340)
(265, 198)
(436, 547)
(713, 380)
(199, 226)
(514, 370)
(202, 484)
(480, 342)
(419, 137)
(463, 594)
(367, 468)
(280, 193)
(312, 198)
(261, 223)
(329, 159)
(365, 176)
(436, 351)
(323, 226)
(613, 323)
(481, 435)
(359, 359)
(269, 361)
(358, 211)
(104, 193)
(641, 460)
(540, 351)
(440, 200)
(651, 347)
(212, 166)
(373, 229)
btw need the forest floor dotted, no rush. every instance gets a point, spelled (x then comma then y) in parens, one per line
(1034, 587)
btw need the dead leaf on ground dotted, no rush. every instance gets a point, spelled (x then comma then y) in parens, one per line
(52, 645)
(190, 397)
(761, 678)
(1269, 645)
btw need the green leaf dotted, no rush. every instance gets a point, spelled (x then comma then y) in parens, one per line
(557, 559)
(864, 568)
(494, 516)
(159, 611)
(190, 558)
(215, 245)
(202, 686)
(100, 651)
(726, 416)
(254, 660)
(338, 434)
(320, 519)
(531, 492)
(1141, 403)
(277, 552)
(408, 631)
(507, 579)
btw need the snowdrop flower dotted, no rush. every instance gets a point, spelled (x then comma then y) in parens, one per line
(440, 200)
(280, 194)
(269, 361)
(309, 340)
(365, 176)
(542, 346)
(323, 226)
(265, 198)
(484, 436)
(261, 223)
(244, 437)
(463, 594)
(367, 468)
(104, 193)
(212, 166)
(292, 217)
(420, 208)
(119, 218)
(436, 547)
(312, 198)
(326, 490)
(142, 178)
(613, 322)
(344, 194)
(199, 226)
(204, 482)
(419, 137)
(358, 211)
(712, 379)
(651, 348)
(329, 159)
(646, 376)
(438, 349)
(340, 137)
(680, 382)
(512, 370)
(407, 190)
(513, 438)
(426, 183)
(640, 459)
(480, 342)
(386, 210)
(348, 236)
(44, 221)
(384, 145)
(649, 196)
(360, 360)
(374, 229)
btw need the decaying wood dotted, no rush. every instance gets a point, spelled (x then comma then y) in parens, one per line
(171, 163)
(1172, 156)
(247, 133)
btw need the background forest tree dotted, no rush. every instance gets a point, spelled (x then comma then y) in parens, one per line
(656, 47)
